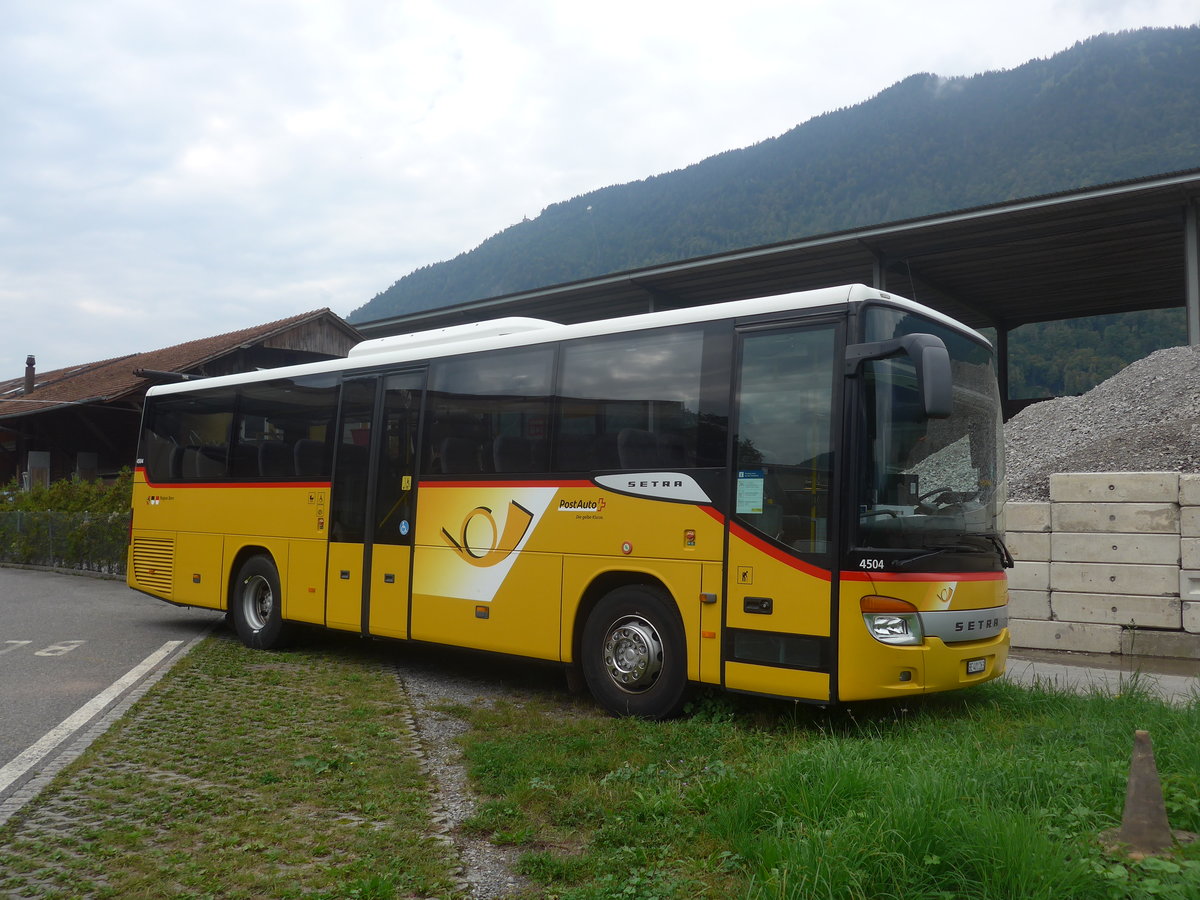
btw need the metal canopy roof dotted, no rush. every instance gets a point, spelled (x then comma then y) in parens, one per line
(1113, 248)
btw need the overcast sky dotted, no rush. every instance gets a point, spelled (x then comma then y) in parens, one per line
(173, 170)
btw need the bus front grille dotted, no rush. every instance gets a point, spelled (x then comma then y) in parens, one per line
(154, 563)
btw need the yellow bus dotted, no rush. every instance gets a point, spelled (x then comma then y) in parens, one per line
(797, 496)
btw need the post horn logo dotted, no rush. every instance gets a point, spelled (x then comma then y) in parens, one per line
(502, 543)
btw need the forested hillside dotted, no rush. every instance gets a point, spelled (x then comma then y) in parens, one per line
(1110, 108)
(1052, 359)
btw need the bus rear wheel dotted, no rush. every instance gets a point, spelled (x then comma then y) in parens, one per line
(633, 654)
(256, 605)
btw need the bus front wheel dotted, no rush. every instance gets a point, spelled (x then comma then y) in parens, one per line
(256, 604)
(633, 654)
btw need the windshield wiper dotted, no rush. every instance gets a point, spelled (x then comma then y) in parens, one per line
(937, 551)
(960, 546)
(1003, 550)
(997, 543)
(907, 563)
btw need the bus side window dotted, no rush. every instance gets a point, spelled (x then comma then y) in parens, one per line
(636, 399)
(186, 436)
(276, 419)
(488, 413)
(459, 455)
(513, 453)
(637, 449)
(311, 457)
(275, 458)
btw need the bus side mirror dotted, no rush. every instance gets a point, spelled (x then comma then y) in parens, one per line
(930, 358)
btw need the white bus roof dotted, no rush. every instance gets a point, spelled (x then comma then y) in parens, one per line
(515, 331)
(451, 335)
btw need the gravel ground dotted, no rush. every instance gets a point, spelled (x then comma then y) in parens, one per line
(431, 681)
(1146, 418)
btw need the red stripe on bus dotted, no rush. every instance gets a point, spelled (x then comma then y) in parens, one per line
(172, 485)
(923, 576)
(779, 555)
(509, 484)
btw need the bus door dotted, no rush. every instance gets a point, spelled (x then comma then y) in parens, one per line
(374, 500)
(778, 635)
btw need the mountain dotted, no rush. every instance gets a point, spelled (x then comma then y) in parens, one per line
(1112, 107)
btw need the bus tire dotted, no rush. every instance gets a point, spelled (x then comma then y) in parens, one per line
(256, 605)
(633, 654)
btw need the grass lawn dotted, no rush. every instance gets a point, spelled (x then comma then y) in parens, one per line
(995, 792)
(249, 774)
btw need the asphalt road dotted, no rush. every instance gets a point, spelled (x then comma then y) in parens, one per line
(70, 648)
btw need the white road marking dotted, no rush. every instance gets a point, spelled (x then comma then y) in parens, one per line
(59, 649)
(72, 723)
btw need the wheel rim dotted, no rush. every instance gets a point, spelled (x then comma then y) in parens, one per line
(257, 601)
(633, 654)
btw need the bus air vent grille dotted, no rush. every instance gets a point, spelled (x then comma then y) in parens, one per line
(154, 563)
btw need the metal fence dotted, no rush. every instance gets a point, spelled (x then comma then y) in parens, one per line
(65, 540)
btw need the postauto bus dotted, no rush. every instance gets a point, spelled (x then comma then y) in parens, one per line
(797, 496)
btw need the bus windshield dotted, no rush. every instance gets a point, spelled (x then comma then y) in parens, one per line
(929, 489)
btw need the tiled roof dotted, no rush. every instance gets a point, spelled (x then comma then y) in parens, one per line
(112, 379)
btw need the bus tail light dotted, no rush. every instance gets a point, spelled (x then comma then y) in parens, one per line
(890, 620)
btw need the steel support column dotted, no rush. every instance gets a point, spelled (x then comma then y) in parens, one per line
(1002, 365)
(1191, 261)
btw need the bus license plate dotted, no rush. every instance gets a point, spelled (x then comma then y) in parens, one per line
(975, 666)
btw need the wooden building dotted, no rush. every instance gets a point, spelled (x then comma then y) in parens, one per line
(82, 421)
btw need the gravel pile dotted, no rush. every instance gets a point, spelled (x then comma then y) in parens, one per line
(1146, 418)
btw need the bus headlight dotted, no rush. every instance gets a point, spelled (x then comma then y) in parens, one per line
(891, 621)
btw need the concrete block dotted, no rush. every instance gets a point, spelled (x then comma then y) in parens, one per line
(1031, 604)
(1116, 518)
(1026, 516)
(1152, 549)
(1189, 521)
(1118, 578)
(1189, 584)
(1083, 637)
(1189, 489)
(1177, 644)
(1118, 609)
(1189, 553)
(1031, 546)
(1115, 487)
(1029, 576)
(1191, 616)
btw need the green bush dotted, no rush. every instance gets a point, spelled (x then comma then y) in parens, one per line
(70, 524)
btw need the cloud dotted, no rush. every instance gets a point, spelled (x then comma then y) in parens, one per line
(211, 165)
